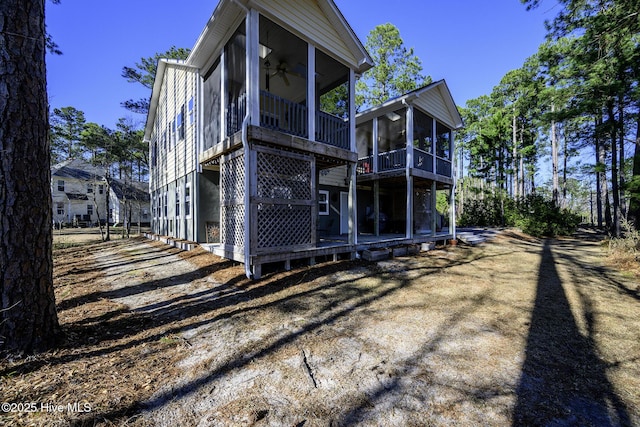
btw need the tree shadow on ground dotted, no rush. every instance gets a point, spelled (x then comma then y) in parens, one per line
(563, 381)
(341, 304)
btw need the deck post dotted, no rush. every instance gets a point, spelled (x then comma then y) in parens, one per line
(352, 167)
(376, 207)
(409, 166)
(311, 92)
(434, 211)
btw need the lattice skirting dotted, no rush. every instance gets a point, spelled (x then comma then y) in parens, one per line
(283, 226)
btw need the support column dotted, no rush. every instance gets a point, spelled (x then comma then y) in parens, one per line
(253, 67)
(409, 172)
(376, 183)
(351, 168)
(376, 208)
(434, 211)
(311, 92)
(353, 206)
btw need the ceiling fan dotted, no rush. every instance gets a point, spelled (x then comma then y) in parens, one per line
(281, 70)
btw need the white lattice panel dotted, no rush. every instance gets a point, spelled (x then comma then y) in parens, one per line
(233, 225)
(232, 184)
(283, 226)
(283, 177)
(232, 179)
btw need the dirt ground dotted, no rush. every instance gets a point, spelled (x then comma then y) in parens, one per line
(517, 331)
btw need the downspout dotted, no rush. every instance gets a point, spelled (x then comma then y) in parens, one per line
(247, 222)
(245, 144)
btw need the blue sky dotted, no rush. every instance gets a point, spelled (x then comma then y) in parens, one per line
(470, 43)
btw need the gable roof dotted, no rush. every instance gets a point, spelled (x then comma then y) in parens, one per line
(155, 93)
(229, 13)
(138, 191)
(78, 169)
(434, 99)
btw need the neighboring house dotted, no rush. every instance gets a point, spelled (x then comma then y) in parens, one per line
(79, 193)
(129, 202)
(243, 152)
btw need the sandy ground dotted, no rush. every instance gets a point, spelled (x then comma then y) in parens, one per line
(518, 331)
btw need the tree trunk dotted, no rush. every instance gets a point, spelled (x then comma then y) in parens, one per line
(613, 127)
(634, 202)
(28, 319)
(621, 134)
(565, 157)
(601, 184)
(106, 202)
(554, 158)
(514, 159)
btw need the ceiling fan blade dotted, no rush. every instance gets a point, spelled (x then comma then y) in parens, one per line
(285, 78)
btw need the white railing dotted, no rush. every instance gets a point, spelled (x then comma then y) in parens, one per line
(283, 115)
(332, 130)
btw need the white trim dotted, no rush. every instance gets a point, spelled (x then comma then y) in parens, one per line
(325, 203)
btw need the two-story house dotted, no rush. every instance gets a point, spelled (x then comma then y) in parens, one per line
(79, 191)
(244, 152)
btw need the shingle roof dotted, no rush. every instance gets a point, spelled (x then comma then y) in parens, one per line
(132, 190)
(78, 169)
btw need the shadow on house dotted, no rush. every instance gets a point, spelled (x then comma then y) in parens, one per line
(563, 381)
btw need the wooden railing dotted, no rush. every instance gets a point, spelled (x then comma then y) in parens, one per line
(422, 160)
(236, 111)
(332, 130)
(443, 167)
(389, 160)
(365, 165)
(397, 159)
(283, 115)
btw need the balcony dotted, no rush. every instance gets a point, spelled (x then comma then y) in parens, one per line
(397, 160)
(289, 117)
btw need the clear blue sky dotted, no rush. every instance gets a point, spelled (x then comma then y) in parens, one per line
(470, 43)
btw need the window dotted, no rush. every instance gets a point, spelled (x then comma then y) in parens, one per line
(154, 154)
(101, 189)
(166, 204)
(323, 202)
(89, 210)
(60, 185)
(180, 123)
(89, 188)
(172, 127)
(60, 208)
(187, 200)
(177, 202)
(190, 111)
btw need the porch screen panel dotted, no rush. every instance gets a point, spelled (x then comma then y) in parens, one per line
(211, 103)
(235, 87)
(285, 199)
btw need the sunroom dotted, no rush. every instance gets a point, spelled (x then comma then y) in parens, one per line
(405, 168)
(282, 83)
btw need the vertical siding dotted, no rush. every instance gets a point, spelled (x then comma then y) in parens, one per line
(309, 22)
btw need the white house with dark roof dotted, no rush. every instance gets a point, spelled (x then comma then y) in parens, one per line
(79, 193)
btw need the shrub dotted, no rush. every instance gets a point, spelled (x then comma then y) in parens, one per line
(533, 214)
